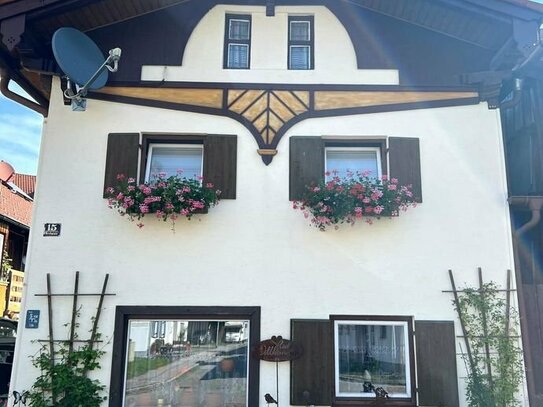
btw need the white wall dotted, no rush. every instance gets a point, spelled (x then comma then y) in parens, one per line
(335, 59)
(256, 250)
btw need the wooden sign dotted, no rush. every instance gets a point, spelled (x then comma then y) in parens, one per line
(277, 349)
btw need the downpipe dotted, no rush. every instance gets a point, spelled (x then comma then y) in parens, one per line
(534, 204)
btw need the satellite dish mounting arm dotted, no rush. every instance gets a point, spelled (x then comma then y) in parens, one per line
(111, 64)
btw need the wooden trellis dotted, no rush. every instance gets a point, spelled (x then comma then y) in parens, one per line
(466, 335)
(72, 339)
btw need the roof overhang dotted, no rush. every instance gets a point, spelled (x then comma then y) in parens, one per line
(507, 28)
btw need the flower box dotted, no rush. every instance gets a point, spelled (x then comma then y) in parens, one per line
(166, 198)
(358, 196)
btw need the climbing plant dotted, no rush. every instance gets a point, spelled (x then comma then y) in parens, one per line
(495, 369)
(63, 380)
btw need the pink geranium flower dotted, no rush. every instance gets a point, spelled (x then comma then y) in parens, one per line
(344, 200)
(166, 197)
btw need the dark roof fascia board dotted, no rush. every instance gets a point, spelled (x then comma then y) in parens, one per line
(507, 8)
(14, 222)
(39, 8)
(16, 76)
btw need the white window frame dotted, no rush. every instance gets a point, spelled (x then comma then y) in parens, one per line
(168, 145)
(308, 55)
(237, 41)
(377, 151)
(407, 357)
(230, 29)
(307, 22)
(228, 55)
(309, 43)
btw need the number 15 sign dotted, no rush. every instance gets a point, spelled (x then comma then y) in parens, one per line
(51, 229)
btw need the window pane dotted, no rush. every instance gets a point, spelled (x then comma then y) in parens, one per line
(352, 160)
(371, 355)
(239, 29)
(299, 31)
(238, 56)
(187, 363)
(170, 159)
(300, 57)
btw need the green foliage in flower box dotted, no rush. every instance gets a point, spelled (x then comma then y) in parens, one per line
(167, 198)
(338, 200)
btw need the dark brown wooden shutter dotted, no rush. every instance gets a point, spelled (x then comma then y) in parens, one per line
(312, 372)
(436, 363)
(220, 163)
(121, 157)
(306, 164)
(404, 159)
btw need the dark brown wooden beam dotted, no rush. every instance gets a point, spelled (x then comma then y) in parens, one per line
(7, 63)
(23, 6)
(39, 8)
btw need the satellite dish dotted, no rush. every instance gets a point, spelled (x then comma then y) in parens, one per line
(6, 171)
(83, 63)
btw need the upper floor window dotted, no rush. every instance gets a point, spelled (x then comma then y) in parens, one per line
(237, 42)
(171, 159)
(311, 157)
(300, 42)
(139, 156)
(342, 160)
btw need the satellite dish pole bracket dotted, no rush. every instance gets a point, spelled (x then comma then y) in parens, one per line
(111, 64)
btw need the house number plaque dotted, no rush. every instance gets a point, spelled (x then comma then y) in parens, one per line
(277, 349)
(51, 229)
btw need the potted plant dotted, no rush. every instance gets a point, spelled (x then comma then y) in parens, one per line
(359, 195)
(167, 198)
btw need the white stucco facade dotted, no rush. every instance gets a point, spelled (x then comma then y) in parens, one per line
(256, 250)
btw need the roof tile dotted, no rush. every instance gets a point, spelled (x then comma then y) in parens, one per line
(26, 182)
(14, 206)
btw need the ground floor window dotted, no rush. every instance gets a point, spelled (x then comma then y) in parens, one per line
(370, 354)
(173, 356)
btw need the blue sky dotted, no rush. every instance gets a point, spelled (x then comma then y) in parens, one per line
(20, 134)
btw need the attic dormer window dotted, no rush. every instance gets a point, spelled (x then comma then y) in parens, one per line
(300, 42)
(237, 41)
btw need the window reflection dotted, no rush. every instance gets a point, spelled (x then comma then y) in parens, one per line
(372, 354)
(178, 363)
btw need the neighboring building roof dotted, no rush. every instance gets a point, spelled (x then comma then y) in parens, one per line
(15, 206)
(26, 182)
